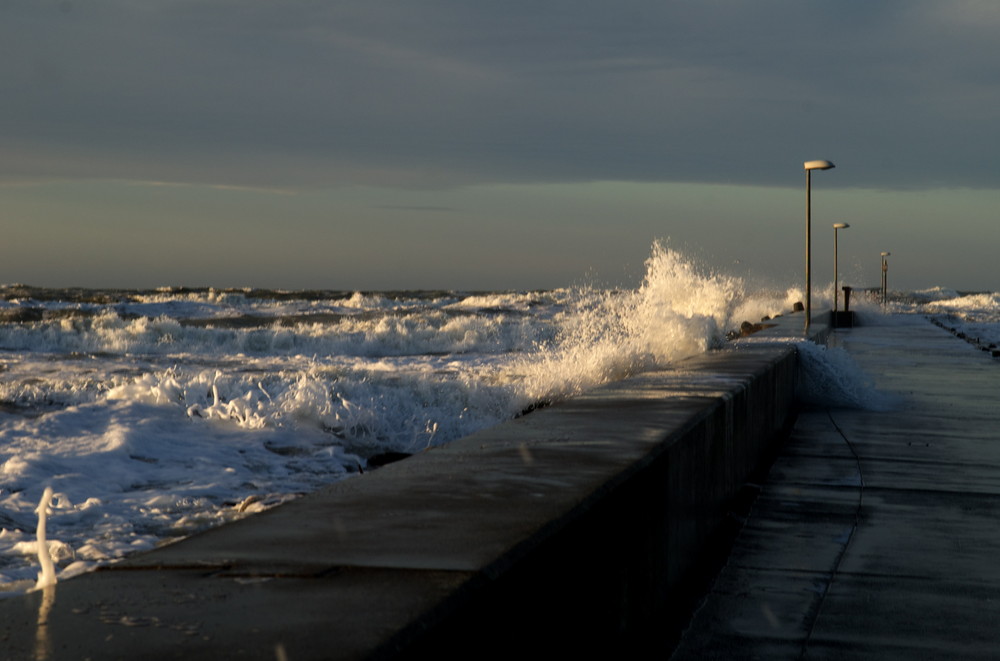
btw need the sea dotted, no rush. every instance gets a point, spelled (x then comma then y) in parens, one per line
(153, 414)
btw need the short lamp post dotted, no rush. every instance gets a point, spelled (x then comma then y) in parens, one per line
(885, 276)
(809, 167)
(836, 271)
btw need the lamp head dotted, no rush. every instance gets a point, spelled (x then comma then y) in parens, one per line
(885, 254)
(818, 165)
(840, 226)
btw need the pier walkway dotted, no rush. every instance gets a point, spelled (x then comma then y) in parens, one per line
(877, 533)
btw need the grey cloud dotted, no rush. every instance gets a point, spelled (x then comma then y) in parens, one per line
(302, 94)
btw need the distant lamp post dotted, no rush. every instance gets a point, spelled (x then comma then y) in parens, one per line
(836, 292)
(885, 275)
(809, 167)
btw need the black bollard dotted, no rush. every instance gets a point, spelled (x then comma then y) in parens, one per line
(845, 319)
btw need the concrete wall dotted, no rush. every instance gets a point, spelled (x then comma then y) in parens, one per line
(613, 574)
(573, 529)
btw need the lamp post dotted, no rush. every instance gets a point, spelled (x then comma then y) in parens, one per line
(885, 276)
(809, 167)
(836, 292)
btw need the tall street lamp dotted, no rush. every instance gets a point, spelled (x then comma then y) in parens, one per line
(809, 167)
(885, 272)
(836, 292)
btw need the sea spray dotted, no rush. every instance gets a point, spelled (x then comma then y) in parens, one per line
(47, 576)
(679, 310)
(829, 377)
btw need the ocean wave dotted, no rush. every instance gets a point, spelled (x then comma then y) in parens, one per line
(155, 413)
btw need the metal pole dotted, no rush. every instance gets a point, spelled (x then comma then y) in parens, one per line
(809, 167)
(885, 280)
(882, 283)
(836, 297)
(808, 248)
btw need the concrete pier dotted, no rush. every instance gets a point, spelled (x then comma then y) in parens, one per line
(876, 534)
(574, 529)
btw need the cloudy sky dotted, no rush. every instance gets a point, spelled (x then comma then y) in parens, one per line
(385, 144)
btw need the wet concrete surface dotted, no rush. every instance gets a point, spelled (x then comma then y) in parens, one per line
(877, 532)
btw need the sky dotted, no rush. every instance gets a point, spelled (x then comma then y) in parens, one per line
(447, 144)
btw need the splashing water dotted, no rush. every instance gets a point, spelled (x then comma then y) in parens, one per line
(156, 414)
(829, 377)
(678, 311)
(47, 576)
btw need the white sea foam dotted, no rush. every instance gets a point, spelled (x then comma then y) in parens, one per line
(984, 305)
(935, 294)
(975, 316)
